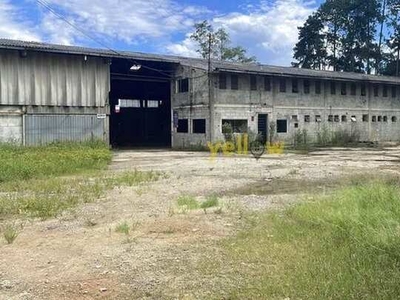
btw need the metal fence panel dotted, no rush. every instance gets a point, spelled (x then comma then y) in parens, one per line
(44, 129)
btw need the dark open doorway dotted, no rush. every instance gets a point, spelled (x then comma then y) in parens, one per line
(140, 100)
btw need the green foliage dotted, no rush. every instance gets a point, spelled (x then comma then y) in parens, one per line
(301, 140)
(187, 202)
(211, 201)
(219, 43)
(323, 136)
(10, 233)
(343, 35)
(339, 137)
(22, 163)
(344, 246)
(123, 228)
(310, 51)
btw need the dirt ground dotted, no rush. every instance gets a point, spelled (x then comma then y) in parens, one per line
(80, 256)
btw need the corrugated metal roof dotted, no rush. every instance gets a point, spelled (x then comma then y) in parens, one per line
(197, 62)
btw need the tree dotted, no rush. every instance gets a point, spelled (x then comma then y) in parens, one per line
(343, 33)
(310, 51)
(216, 44)
(392, 61)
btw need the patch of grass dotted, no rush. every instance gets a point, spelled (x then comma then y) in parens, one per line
(23, 163)
(46, 198)
(304, 186)
(123, 228)
(211, 201)
(343, 246)
(10, 233)
(188, 202)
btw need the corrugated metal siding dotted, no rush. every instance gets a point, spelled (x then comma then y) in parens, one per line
(44, 129)
(53, 80)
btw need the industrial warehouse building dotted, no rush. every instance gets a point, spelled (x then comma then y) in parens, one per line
(56, 93)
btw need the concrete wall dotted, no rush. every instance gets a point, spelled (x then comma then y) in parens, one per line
(246, 104)
(191, 105)
(42, 125)
(10, 124)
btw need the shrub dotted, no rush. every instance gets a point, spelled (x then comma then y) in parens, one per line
(10, 233)
(211, 201)
(187, 202)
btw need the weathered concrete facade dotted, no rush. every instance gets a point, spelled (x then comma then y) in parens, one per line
(366, 106)
(46, 97)
(52, 93)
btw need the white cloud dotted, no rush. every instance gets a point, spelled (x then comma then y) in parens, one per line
(185, 48)
(269, 30)
(132, 22)
(12, 25)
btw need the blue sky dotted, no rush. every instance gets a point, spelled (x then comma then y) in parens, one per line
(267, 28)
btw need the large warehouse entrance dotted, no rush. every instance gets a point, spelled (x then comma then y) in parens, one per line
(140, 100)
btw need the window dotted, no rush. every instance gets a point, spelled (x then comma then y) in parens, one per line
(296, 125)
(307, 118)
(318, 87)
(152, 103)
(385, 91)
(267, 83)
(129, 103)
(306, 86)
(394, 119)
(333, 88)
(295, 118)
(336, 119)
(253, 83)
(282, 85)
(365, 118)
(330, 118)
(385, 119)
(363, 90)
(238, 126)
(379, 118)
(183, 85)
(376, 90)
(281, 126)
(394, 92)
(353, 119)
(222, 81)
(295, 86)
(234, 82)
(199, 126)
(373, 118)
(343, 89)
(344, 118)
(183, 125)
(318, 119)
(353, 89)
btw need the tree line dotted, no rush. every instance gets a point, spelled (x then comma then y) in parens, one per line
(360, 36)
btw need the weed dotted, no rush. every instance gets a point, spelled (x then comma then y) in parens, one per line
(168, 230)
(10, 233)
(344, 246)
(45, 198)
(123, 228)
(211, 201)
(187, 202)
(23, 163)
